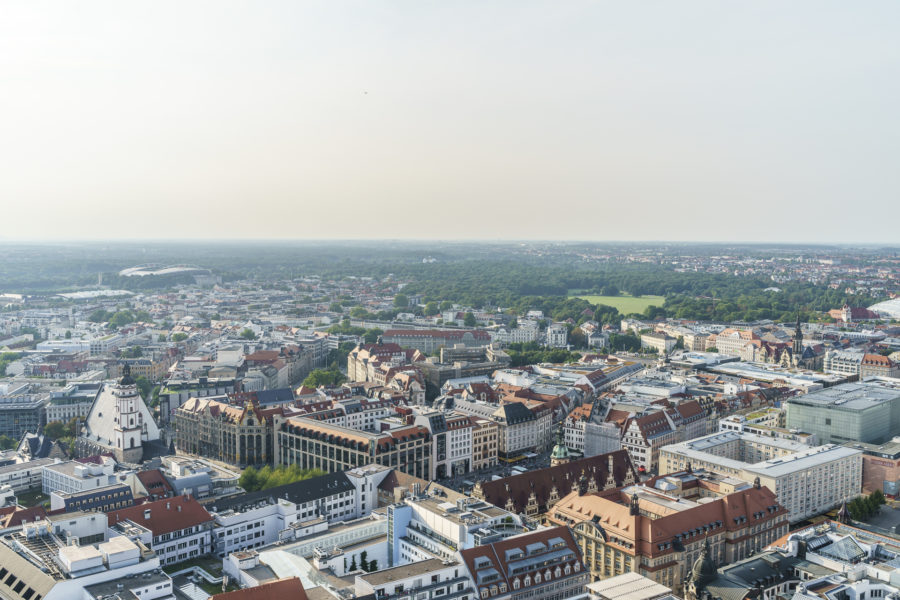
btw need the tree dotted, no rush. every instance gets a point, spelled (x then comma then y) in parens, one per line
(445, 305)
(7, 443)
(358, 312)
(373, 566)
(247, 334)
(371, 335)
(68, 335)
(431, 309)
(323, 377)
(363, 562)
(712, 349)
(336, 307)
(179, 336)
(353, 566)
(144, 386)
(161, 338)
(679, 343)
(55, 430)
(249, 479)
(469, 320)
(99, 316)
(401, 301)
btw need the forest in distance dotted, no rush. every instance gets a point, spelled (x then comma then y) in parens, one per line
(516, 276)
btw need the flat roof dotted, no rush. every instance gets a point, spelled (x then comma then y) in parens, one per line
(628, 586)
(853, 396)
(404, 571)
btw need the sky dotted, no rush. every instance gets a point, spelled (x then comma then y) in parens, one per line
(689, 120)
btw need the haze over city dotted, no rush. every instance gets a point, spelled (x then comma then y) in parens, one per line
(762, 121)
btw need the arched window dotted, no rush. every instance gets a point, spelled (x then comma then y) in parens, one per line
(537, 577)
(557, 572)
(516, 583)
(527, 581)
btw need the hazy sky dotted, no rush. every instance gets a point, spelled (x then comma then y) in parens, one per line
(672, 120)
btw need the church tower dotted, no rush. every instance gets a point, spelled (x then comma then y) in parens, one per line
(128, 421)
(797, 350)
(560, 454)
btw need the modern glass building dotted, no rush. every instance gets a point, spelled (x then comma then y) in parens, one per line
(866, 411)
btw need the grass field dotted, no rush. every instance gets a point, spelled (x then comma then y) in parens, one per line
(625, 304)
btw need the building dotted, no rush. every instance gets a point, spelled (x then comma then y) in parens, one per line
(21, 410)
(73, 476)
(534, 493)
(545, 564)
(236, 434)
(72, 402)
(118, 423)
(658, 535)
(440, 523)
(451, 439)
(26, 476)
(660, 342)
(629, 586)
(880, 467)
(103, 499)
(522, 429)
(485, 434)
(557, 335)
(424, 580)
(807, 480)
(865, 411)
(430, 340)
(177, 529)
(643, 436)
(316, 445)
(176, 392)
(71, 557)
(290, 588)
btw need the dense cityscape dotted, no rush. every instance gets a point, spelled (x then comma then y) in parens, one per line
(449, 420)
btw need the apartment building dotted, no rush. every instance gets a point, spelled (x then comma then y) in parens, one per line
(485, 434)
(660, 342)
(176, 529)
(544, 564)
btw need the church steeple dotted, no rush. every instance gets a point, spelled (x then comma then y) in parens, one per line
(798, 339)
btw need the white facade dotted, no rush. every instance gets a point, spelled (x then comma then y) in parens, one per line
(807, 480)
(254, 528)
(71, 476)
(557, 335)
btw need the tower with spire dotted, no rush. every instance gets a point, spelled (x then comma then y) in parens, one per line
(128, 419)
(798, 342)
(560, 454)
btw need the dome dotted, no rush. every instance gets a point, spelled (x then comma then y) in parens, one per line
(560, 451)
(704, 569)
(126, 376)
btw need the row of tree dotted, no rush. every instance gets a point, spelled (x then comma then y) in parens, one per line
(266, 478)
(864, 507)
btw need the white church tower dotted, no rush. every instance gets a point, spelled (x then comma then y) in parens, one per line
(128, 419)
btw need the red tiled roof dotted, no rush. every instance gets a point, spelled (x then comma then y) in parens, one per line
(165, 516)
(283, 589)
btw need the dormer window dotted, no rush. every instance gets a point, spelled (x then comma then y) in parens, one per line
(537, 577)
